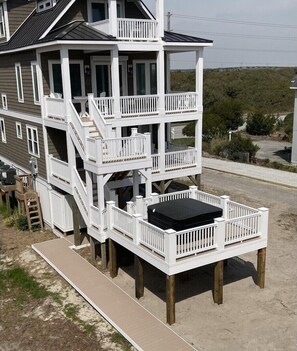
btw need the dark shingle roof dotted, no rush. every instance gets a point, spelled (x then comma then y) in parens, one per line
(77, 30)
(171, 37)
(34, 27)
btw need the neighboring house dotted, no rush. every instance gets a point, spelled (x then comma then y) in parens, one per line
(86, 94)
(294, 141)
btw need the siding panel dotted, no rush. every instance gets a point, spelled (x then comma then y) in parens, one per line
(16, 150)
(8, 83)
(18, 11)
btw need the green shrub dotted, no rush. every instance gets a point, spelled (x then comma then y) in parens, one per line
(240, 145)
(260, 124)
(9, 221)
(22, 223)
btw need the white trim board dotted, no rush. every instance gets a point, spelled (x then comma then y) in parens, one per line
(22, 116)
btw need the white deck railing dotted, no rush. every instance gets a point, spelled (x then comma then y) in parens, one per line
(152, 237)
(123, 222)
(59, 169)
(137, 29)
(106, 106)
(80, 194)
(181, 102)
(55, 108)
(236, 210)
(80, 131)
(180, 159)
(139, 105)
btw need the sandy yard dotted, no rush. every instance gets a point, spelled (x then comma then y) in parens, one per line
(249, 319)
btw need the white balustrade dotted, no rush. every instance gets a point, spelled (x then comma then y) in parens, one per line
(137, 29)
(181, 102)
(193, 241)
(80, 194)
(180, 159)
(243, 228)
(208, 198)
(59, 169)
(139, 105)
(156, 163)
(235, 210)
(80, 131)
(175, 196)
(152, 237)
(106, 106)
(123, 222)
(115, 150)
(55, 108)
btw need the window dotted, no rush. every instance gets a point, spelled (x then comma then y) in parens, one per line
(2, 24)
(4, 101)
(18, 73)
(99, 10)
(19, 131)
(34, 72)
(3, 132)
(32, 138)
(45, 5)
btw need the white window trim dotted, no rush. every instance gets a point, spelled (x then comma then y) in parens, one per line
(90, 17)
(4, 101)
(96, 60)
(36, 154)
(147, 74)
(34, 63)
(41, 5)
(19, 131)
(82, 74)
(3, 131)
(19, 84)
(2, 20)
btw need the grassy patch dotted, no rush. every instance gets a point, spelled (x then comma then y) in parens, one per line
(71, 312)
(118, 339)
(184, 141)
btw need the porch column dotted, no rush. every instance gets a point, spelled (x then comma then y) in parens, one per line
(168, 74)
(66, 82)
(170, 299)
(112, 13)
(218, 282)
(139, 282)
(199, 76)
(161, 80)
(160, 17)
(115, 81)
(161, 146)
(135, 183)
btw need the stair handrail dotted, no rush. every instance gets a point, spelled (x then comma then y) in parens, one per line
(95, 114)
(78, 126)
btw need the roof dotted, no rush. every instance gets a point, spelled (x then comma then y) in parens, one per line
(171, 37)
(34, 27)
(77, 30)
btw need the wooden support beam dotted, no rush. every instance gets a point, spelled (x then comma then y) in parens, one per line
(113, 266)
(76, 220)
(218, 282)
(261, 263)
(103, 256)
(93, 243)
(170, 299)
(139, 281)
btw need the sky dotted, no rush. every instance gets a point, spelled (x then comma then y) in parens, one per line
(245, 32)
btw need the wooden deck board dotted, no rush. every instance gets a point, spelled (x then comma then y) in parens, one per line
(138, 325)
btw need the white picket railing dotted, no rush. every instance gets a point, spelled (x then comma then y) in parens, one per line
(235, 210)
(181, 102)
(242, 228)
(180, 159)
(106, 106)
(115, 150)
(80, 194)
(59, 169)
(55, 108)
(123, 222)
(192, 241)
(152, 237)
(175, 196)
(139, 105)
(208, 198)
(137, 29)
(80, 131)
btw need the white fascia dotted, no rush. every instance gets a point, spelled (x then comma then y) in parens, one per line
(57, 19)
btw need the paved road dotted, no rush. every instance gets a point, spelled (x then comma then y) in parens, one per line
(269, 175)
(278, 151)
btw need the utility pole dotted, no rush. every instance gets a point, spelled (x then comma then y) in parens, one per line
(169, 14)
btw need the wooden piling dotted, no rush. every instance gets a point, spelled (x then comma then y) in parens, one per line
(218, 282)
(261, 263)
(113, 267)
(170, 299)
(139, 281)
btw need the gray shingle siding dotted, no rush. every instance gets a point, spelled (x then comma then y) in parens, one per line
(18, 11)
(8, 83)
(16, 150)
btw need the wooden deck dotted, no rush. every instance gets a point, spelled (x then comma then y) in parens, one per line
(136, 324)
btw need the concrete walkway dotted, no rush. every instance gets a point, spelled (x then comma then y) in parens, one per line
(269, 175)
(136, 324)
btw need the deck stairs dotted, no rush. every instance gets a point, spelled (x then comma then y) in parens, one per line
(33, 210)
